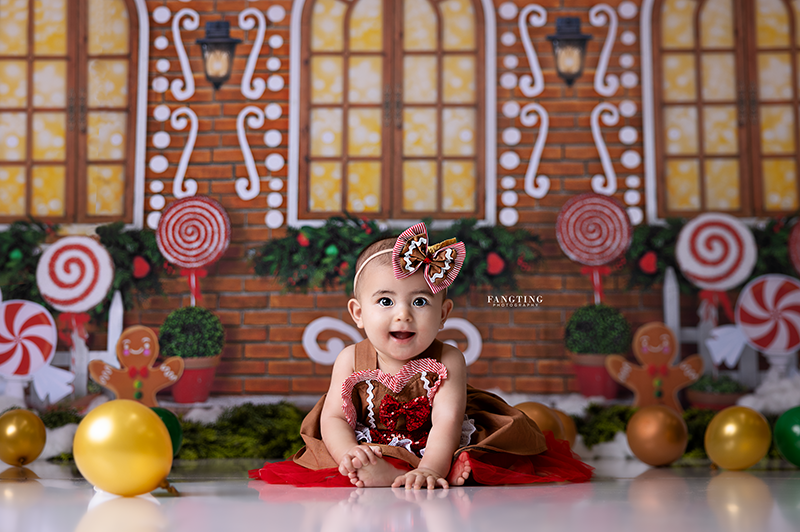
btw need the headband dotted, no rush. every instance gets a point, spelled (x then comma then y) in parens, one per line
(442, 261)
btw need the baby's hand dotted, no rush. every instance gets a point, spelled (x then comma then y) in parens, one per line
(358, 457)
(419, 477)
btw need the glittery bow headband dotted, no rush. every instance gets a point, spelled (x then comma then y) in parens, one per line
(442, 261)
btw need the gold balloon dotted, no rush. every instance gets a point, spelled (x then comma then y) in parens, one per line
(657, 435)
(22, 437)
(123, 447)
(737, 438)
(740, 501)
(544, 417)
(570, 430)
(19, 487)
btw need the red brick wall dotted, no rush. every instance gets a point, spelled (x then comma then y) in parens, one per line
(523, 348)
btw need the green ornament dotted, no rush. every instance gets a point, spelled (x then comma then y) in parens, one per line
(331, 250)
(15, 254)
(173, 427)
(787, 435)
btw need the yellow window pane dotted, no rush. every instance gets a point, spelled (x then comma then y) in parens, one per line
(326, 79)
(13, 27)
(683, 184)
(458, 24)
(326, 132)
(722, 184)
(50, 27)
(459, 131)
(720, 130)
(679, 78)
(419, 79)
(105, 187)
(364, 132)
(325, 187)
(108, 83)
(13, 83)
(716, 24)
(364, 186)
(677, 24)
(774, 77)
(12, 190)
(108, 27)
(327, 26)
(777, 129)
(13, 138)
(719, 77)
(366, 26)
(106, 136)
(459, 79)
(458, 186)
(419, 131)
(772, 24)
(50, 83)
(49, 136)
(419, 26)
(419, 186)
(680, 129)
(365, 79)
(47, 196)
(779, 184)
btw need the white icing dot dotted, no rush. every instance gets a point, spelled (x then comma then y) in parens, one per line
(161, 43)
(626, 60)
(636, 215)
(157, 202)
(274, 162)
(508, 80)
(632, 197)
(508, 182)
(627, 10)
(274, 200)
(633, 181)
(627, 38)
(152, 220)
(508, 10)
(273, 111)
(273, 138)
(631, 159)
(275, 183)
(162, 14)
(511, 61)
(627, 108)
(508, 216)
(629, 80)
(273, 64)
(276, 13)
(275, 83)
(162, 65)
(275, 41)
(274, 219)
(628, 135)
(161, 140)
(158, 164)
(161, 113)
(156, 186)
(508, 39)
(511, 136)
(511, 109)
(160, 84)
(509, 197)
(509, 160)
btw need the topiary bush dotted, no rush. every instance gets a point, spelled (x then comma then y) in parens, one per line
(598, 329)
(191, 332)
(722, 384)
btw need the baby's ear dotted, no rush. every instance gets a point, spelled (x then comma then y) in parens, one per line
(354, 308)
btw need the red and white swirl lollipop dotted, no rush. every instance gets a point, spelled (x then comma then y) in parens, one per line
(28, 337)
(768, 314)
(593, 229)
(716, 252)
(75, 274)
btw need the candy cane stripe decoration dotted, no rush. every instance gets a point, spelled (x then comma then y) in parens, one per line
(75, 274)
(768, 314)
(27, 337)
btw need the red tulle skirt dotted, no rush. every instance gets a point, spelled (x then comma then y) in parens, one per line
(557, 464)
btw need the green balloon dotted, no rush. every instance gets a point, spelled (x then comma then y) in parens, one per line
(787, 435)
(173, 426)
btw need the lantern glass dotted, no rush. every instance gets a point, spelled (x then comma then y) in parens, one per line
(218, 61)
(569, 48)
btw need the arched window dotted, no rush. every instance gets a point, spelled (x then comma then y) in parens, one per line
(69, 77)
(392, 109)
(725, 91)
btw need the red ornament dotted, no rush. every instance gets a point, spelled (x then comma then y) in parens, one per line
(140, 267)
(494, 263)
(648, 263)
(302, 240)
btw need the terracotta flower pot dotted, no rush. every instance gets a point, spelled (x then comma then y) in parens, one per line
(712, 400)
(592, 376)
(194, 386)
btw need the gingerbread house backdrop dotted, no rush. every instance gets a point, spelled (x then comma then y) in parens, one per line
(396, 110)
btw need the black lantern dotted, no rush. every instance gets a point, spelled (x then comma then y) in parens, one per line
(569, 48)
(218, 48)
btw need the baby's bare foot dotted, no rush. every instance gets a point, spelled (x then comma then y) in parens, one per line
(460, 470)
(378, 475)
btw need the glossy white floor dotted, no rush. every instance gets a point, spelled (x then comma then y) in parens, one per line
(217, 496)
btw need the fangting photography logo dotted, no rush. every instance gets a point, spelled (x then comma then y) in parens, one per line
(515, 300)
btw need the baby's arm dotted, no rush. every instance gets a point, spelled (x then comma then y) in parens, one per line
(337, 434)
(447, 418)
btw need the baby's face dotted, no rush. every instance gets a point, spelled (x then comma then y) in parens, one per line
(401, 317)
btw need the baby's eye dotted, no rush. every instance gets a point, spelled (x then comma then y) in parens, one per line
(420, 302)
(385, 302)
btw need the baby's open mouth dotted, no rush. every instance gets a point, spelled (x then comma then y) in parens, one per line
(402, 335)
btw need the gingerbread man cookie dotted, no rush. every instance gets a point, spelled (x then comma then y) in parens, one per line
(656, 381)
(137, 350)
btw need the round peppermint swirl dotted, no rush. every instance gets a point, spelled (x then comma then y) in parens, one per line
(593, 229)
(193, 232)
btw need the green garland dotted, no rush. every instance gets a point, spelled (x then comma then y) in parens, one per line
(325, 256)
(19, 257)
